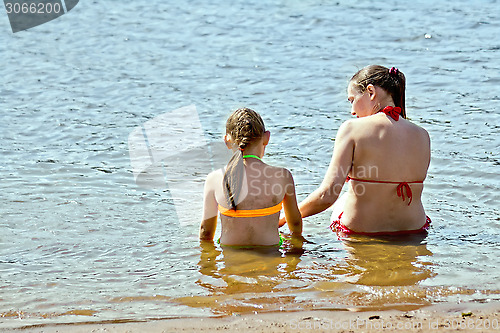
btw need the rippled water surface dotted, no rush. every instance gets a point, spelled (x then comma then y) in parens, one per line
(81, 241)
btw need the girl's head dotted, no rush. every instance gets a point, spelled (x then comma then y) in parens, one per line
(391, 81)
(243, 127)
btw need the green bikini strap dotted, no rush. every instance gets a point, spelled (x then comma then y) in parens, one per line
(253, 156)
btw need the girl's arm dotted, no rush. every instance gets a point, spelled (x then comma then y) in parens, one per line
(292, 213)
(209, 219)
(335, 177)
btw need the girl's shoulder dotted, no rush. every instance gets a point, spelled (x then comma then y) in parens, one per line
(215, 176)
(278, 172)
(276, 168)
(216, 173)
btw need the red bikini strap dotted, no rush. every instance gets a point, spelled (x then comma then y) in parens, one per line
(392, 112)
(382, 181)
(404, 186)
(400, 190)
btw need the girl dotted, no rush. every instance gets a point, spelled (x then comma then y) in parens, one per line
(384, 156)
(250, 193)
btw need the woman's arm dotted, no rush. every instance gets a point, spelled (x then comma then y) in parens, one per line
(292, 213)
(335, 177)
(209, 219)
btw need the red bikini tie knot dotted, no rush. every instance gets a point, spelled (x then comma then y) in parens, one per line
(400, 190)
(392, 112)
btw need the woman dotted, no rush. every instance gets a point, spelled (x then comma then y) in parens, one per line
(383, 156)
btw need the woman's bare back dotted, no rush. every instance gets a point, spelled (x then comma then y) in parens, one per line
(390, 151)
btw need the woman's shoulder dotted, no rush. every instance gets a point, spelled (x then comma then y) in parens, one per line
(351, 127)
(356, 123)
(418, 130)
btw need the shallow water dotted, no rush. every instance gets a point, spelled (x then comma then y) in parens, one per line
(80, 241)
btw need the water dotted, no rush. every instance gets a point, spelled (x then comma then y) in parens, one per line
(81, 242)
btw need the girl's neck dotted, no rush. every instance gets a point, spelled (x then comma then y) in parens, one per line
(254, 151)
(252, 156)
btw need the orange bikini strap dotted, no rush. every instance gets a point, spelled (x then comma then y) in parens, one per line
(251, 212)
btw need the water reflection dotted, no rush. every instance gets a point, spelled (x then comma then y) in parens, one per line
(388, 261)
(375, 274)
(245, 279)
(261, 269)
(371, 273)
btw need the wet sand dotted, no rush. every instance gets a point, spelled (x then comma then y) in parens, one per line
(438, 318)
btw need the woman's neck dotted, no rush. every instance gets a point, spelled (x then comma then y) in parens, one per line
(384, 102)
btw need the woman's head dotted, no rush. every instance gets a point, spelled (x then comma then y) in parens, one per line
(392, 81)
(243, 127)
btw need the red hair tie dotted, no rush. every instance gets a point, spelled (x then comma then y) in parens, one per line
(393, 71)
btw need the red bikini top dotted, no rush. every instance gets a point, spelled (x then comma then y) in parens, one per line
(393, 112)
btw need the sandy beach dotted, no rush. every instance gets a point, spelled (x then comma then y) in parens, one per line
(438, 318)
